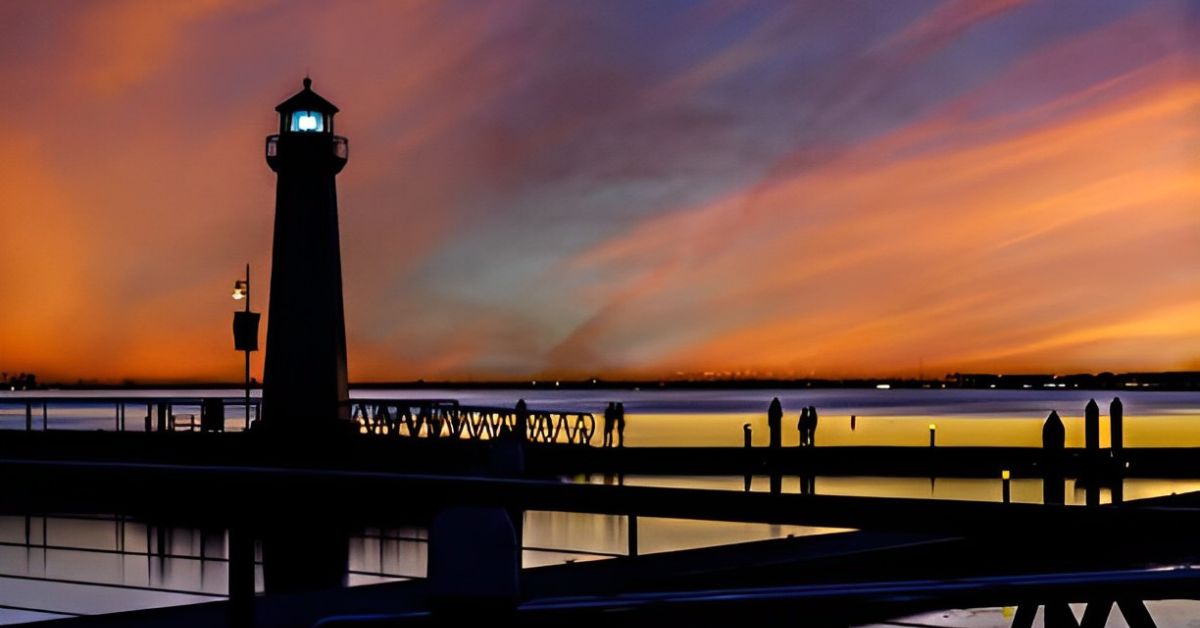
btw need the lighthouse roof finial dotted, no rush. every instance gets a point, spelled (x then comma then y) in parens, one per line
(306, 100)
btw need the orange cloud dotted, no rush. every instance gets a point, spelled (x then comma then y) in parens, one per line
(557, 188)
(984, 255)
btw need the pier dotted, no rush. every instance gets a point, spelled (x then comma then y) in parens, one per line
(411, 459)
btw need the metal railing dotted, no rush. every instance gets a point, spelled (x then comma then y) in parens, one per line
(161, 413)
(405, 418)
(433, 419)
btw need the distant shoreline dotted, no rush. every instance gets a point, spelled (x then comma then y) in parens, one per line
(1161, 381)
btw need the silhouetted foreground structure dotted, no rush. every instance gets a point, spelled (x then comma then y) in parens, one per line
(437, 463)
(304, 378)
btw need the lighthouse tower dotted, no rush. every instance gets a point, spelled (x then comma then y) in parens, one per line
(304, 378)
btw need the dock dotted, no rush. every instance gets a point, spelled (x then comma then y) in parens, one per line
(411, 460)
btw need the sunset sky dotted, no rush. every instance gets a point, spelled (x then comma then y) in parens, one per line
(614, 188)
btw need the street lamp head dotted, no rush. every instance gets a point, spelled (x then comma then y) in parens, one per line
(239, 290)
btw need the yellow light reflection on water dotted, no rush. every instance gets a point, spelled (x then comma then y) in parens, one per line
(725, 430)
(1025, 490)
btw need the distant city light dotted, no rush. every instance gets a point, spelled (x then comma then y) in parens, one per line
(883, 386)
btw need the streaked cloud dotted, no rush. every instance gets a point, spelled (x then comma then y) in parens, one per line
(542, 188)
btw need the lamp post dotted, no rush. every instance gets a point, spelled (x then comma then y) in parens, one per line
(245, 330)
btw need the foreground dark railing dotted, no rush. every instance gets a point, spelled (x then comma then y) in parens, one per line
(1070, 540)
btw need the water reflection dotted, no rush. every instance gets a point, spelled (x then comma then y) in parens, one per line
(1027, 490)
(62, 565)
(715, 417)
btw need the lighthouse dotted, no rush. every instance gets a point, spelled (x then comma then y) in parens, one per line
(304, 377)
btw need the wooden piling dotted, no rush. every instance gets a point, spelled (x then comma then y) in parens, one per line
(1053, 454)
(1092, 467)
(1116, 414)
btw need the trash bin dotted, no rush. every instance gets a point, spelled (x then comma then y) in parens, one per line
(212, 415)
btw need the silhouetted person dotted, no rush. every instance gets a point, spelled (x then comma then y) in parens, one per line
(775, 423)
(808, 426)
(746, 436)
(853, 421)
(522, 413)
(1054, 438)
(609, 418)
(620, 417)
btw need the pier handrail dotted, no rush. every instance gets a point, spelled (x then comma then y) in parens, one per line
(420, 418)
(407, 417)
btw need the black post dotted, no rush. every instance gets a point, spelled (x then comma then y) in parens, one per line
(28, 416)
(1116, 414)
(241, 577)
(775, 423)
(247, 353)
(1006, 490)
(633, 535)
(1053, 450)
(1091, 465)
(749, 461)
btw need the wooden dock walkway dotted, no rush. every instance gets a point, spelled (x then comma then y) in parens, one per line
(364, 452)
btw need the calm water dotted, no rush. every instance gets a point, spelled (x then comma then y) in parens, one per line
(715, 417)
(60, 565)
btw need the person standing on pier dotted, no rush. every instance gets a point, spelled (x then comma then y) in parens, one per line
(522, 416)
(775, 423)
(808, 426)
(609, 411)
(620, 417)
